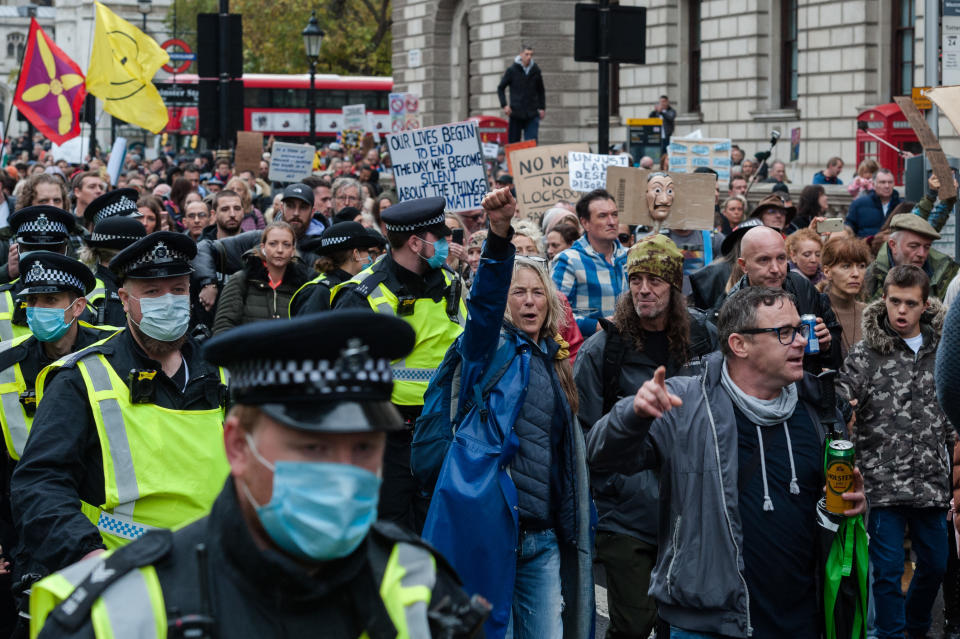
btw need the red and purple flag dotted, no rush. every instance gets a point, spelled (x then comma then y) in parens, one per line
(51, 88)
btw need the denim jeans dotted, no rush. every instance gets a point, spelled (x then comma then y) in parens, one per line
(529, 128)
(537, 603)
(928, 534)
(676, 633)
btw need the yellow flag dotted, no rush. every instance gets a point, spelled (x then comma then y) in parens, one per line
(122, 65)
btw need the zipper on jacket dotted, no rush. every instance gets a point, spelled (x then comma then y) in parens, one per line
(676, 538)
(726, 510)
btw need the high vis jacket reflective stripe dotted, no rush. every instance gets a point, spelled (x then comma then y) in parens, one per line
(13, 418)
(406, 588)
(98, 293)
(435, 333)
(131, 607)
(9, 330)
(320, 278)
(162, 468)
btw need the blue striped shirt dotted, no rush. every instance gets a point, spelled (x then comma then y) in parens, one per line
(590, 282)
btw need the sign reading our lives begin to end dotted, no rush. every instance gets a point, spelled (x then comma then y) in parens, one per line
(440, 161)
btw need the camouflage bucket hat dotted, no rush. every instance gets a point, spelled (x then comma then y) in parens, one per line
(657, 255)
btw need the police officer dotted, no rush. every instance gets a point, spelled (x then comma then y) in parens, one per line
(54, 289)
(130, 426)
(291, 547)
(121, 202)
(343, 252)
(35, 228)
(110, 236)
(410, 282)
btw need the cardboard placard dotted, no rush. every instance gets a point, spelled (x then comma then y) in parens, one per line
(931, 146)
(249, 151)
(290, 162)
(516, 146)
(440, 161)
(689, 154)
(588, 171)
(353, 116)
(542, 176)
(691, 200)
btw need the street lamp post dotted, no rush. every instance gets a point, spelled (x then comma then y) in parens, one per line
(144, 7)
(312, 39)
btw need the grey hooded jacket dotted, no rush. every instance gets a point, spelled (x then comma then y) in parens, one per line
(698, 581)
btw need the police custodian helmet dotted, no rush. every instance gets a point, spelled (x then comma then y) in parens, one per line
(324, 372)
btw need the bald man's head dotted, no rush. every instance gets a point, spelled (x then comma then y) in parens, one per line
(763, 257)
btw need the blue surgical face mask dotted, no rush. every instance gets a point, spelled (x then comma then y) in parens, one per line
(165, 318)
(47, 324)
(440, 251)
(319, 511)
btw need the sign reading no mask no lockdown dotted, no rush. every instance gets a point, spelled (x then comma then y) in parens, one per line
(440, 161)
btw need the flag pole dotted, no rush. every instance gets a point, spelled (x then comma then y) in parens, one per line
(6, 123)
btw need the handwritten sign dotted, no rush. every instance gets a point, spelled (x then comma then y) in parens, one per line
(440, 161)
(682, 201)
(588, 171)
(354, 116)
(490, 149)
(542, 176)
(687, 155)
(290, 162)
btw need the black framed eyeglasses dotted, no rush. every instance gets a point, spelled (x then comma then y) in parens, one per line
(786, 334)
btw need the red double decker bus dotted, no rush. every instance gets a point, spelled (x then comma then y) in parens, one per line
(278, 104)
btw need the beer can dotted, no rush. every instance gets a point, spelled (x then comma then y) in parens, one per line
(840, 457)
(813, 344)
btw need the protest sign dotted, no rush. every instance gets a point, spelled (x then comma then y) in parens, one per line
(541, 176)
(440, 161)
(490, 149)
(290, 162)
(683, 201)
(249, 151)
(516, 146)
(588, 171)
(931, 146)
(689, 154)
(354, 116)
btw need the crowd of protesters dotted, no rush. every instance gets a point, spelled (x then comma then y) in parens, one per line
(646, 369)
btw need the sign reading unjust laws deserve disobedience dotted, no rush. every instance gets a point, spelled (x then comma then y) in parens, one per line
(440, 161)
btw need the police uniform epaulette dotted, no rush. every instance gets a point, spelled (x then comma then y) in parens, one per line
(149, 549)
(13, 351)
(9, 286)
(69, 361)
(392, 533)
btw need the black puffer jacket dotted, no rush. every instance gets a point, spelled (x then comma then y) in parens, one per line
(527, 95)
(247, 296)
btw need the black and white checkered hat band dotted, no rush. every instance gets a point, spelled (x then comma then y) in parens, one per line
(315, 377)
(103, 237)
(39, 274)
(406, 228)
(43, 225)
(123, 206)
(330, 241)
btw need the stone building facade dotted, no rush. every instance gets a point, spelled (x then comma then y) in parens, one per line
(732, 68)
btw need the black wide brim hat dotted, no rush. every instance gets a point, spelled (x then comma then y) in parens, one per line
(49, 272)
(325, 372)
(774, 202)
(731, 240)
(158, 255)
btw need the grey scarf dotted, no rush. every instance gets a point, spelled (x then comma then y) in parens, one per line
(765, 413)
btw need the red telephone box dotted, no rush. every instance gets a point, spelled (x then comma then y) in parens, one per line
(492, 128)
(888, 123)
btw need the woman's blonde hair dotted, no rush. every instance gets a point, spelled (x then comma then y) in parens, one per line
(555, 320)
(240, 188)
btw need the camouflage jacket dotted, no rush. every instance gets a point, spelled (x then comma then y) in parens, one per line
(901, 435)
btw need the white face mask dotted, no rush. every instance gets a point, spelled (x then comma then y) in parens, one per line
(165, 318)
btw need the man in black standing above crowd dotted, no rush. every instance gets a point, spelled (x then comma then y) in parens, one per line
(527, 96)
(667, 113)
